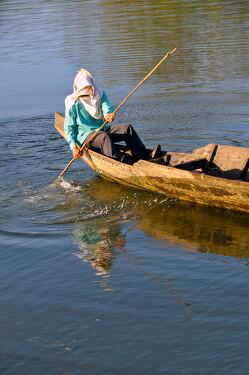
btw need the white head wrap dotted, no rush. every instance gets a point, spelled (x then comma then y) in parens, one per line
(91, 103)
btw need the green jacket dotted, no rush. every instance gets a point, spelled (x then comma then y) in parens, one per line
(79, 123)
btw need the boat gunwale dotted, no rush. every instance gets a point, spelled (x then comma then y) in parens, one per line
(163, 167)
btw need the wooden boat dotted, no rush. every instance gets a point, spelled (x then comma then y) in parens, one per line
(214, 175)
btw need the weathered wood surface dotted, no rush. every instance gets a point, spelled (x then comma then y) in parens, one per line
(229, 161)
(167, 180)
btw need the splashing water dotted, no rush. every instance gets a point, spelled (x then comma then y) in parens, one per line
(66, 185)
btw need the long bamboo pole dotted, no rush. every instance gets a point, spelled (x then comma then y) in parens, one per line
(86, 144)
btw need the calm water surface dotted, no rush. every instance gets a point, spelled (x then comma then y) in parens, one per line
(97, 278)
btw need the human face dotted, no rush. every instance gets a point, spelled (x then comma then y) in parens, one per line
(88, 90)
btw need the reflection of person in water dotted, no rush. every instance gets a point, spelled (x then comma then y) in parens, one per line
(97, 242)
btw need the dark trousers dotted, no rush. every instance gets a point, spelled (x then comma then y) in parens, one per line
(104, 141)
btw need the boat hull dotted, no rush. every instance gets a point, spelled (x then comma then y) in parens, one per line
(170, 181)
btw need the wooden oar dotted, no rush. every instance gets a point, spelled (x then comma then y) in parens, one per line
(86, 144)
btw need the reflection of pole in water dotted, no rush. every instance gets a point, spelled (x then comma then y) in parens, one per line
(166, 283)
(169, 287)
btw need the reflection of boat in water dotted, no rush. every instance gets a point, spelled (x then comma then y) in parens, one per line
(196, 228)
(214, 175)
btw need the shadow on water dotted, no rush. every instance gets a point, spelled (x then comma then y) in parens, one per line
(195, 228)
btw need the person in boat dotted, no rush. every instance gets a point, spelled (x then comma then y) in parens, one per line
(85, 111)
